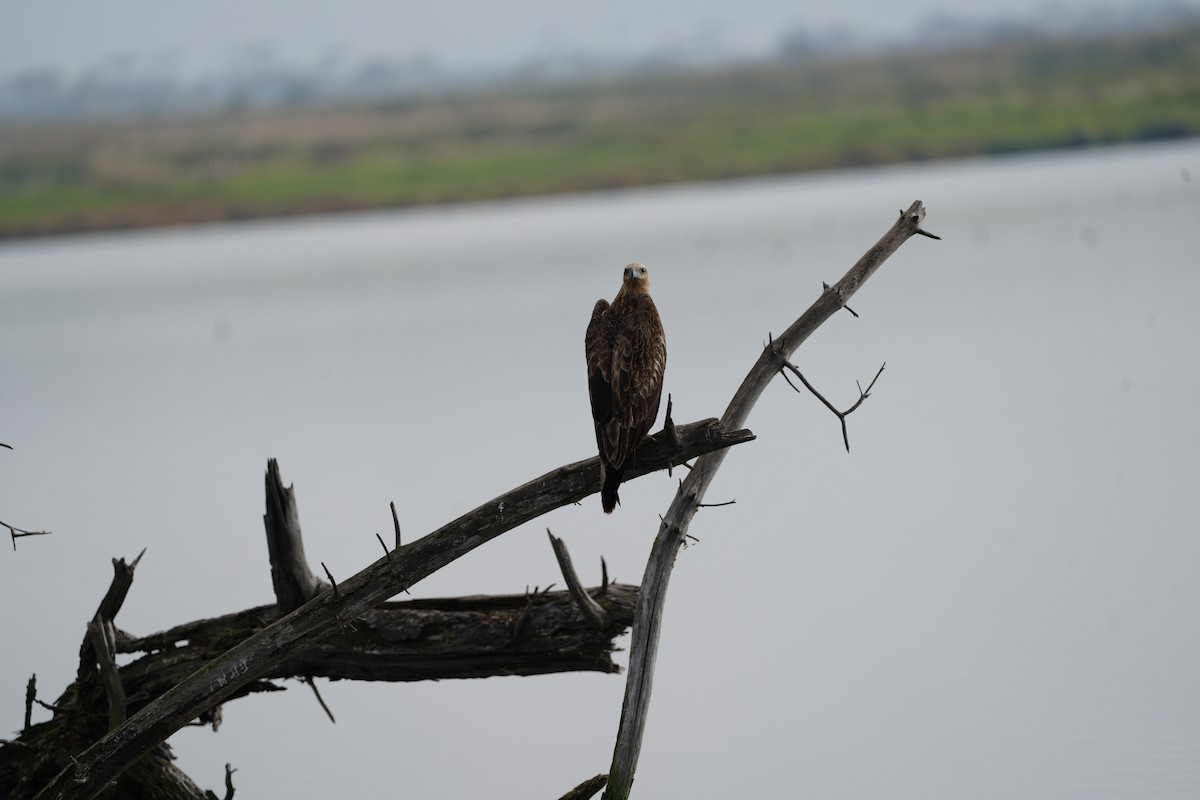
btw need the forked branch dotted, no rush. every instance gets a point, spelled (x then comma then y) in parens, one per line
(863, 394)
(18, 533)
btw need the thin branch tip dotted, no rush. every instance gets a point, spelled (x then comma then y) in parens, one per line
(317, 693)
(332, 582)
(395, 523)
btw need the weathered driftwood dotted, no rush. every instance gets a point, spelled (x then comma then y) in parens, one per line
(464, 637)
(350, 602)
(671, 532)
(426, 639)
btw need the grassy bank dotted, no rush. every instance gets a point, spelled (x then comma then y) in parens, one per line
(781, 117)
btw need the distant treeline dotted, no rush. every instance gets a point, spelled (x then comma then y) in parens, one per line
(785, 116)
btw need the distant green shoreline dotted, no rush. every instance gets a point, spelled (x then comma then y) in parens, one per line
(767, 119)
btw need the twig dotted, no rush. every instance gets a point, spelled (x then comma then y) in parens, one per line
(603, 576)
(716, 505)
(841, 415)
(386, 552)
(592, 611)
(587, 789)
(8, 446)
(332, 582)
(30, 696)
(673, 529)
(18, 533)
(395, 523)
(313, 685)
(229, 782)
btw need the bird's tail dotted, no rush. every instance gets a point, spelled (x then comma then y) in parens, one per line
(610, 479)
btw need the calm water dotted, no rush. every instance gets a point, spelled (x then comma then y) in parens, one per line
(992, 595)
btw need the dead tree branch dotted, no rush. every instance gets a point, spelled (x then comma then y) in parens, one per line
(673, 529)
(592, 611)
(103, 639)
(863, 394)
(317, 693)
(395, 524)
(293, 580)
(229, 782)
(586, 789)
(18, 533)
(314, 622)
(30, 696)
(13, 531)
(110, 604)
(427, 639)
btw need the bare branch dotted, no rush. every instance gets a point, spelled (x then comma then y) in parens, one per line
(313, 685)
(395, 524)
(841, 415)
(592, 611)
(673, 529)
(30, 696)
(110, 604)
(324, 616)
(103, 639)
(382, 544)
(18, 533)
(229, 782)
(332, 582)
(587, 789)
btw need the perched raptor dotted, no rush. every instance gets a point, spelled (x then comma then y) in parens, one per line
(626, 355)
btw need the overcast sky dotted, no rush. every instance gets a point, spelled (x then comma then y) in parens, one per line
(189, 39)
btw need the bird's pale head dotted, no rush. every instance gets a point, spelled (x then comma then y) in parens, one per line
(637, 278)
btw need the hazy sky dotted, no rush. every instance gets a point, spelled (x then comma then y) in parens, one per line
(192, 38)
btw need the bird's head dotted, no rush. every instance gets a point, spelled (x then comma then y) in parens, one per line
(637, 278)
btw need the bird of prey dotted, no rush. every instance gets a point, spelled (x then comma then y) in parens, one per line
(626, 355)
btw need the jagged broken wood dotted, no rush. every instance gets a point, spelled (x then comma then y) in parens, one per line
(324, 616)
(412, 640)
(674, 525)
(293, 581)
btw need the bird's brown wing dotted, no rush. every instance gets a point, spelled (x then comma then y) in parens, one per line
(599, 364)
(635, 379)
(649, 362)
